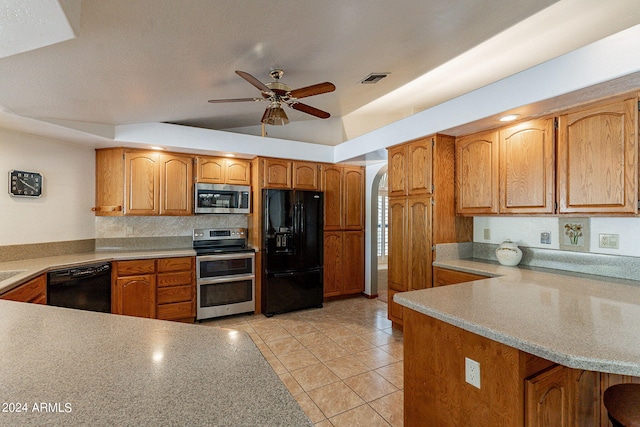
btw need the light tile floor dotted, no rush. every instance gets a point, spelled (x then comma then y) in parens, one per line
(343, 363)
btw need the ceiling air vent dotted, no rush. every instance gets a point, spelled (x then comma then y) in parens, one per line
(373, 78)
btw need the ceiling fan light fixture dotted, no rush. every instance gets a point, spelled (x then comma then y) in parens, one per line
(274, 115)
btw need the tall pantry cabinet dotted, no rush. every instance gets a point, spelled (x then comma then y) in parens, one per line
(421, 213)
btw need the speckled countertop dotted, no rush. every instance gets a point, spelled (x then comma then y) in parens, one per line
(580, 321)
(71, 367)
(13, 273)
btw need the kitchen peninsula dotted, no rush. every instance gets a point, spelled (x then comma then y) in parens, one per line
(72, 367)
(530, 330)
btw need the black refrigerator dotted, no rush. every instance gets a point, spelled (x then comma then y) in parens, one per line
(292, 275)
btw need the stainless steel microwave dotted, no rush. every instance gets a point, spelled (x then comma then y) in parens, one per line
(222, 199)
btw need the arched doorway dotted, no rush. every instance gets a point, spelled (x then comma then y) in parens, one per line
(379, 234)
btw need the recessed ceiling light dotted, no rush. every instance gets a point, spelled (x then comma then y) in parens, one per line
(509, 117)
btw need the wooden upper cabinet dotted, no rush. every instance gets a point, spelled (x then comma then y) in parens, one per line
(527, 161)
(220, 170)
(306, 176)
(353, 199)
(142, 183)
(598, 159)
(420, 155)
(332, 190)
(477, 174)
(397, 170)
(343, 188)
(410, 168)
(138, 182)
(277, 173)
(176, 189)
(210, 170)
(238, 171)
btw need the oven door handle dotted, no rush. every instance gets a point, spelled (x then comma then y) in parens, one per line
(243, 255)
(225, 279)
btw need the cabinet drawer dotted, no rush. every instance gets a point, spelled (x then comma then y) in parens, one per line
(174, 311)
(175, 294)
(443, 276)
(131, 268)
(175, 279)
(175, 264)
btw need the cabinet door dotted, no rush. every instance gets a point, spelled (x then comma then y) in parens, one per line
(546, 398)
(237, 172)
(306, 176)
(527, 167)
(332, 189)
(395, 310)
(109, 182)
(444, 277)
(135, 296)
(397, 171)
(477, 174)
(397, 233)
(420, 155)
(333, 263)
(33, 291)
(418, 238)
(176, 189)
(598, 159)
(210, 170)
(353, 199)
(142, 183)
(277, 173)
(353, 268)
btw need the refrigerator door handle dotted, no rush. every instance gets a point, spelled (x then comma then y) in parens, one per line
(301, 218)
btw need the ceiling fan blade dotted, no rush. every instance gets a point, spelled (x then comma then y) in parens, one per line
(312, 90)
(309, 110)
(257, 83)
(214, 101)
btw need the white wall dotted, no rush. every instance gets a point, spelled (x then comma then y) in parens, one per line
(525, 231)
(64, 211)
(371, 171)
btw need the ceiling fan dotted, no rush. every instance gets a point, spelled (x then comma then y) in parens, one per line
(278, 93)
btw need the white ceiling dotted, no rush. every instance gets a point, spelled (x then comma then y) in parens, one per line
(140, 61)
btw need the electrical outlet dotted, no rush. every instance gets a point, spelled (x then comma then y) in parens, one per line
(545, 237)
(610, 241)
(472, 372)
(129, 230)
(487, 234)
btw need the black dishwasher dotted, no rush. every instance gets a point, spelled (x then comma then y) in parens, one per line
(86, 287)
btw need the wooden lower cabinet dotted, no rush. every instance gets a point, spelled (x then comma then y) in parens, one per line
(517, 388)
(395, 310)
(176, 299)
(162, 288)
(135, 296)
(343, 263)
(33, 291)
(444, 276)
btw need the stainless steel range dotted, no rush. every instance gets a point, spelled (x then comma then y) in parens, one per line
(225, 269)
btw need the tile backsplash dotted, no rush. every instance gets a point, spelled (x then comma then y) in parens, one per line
(163, 226)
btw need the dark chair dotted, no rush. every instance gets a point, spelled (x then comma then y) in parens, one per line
(623, 404)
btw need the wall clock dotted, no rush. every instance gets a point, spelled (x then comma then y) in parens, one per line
(25, 184)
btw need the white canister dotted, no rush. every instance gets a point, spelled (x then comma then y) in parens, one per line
(508, 253)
